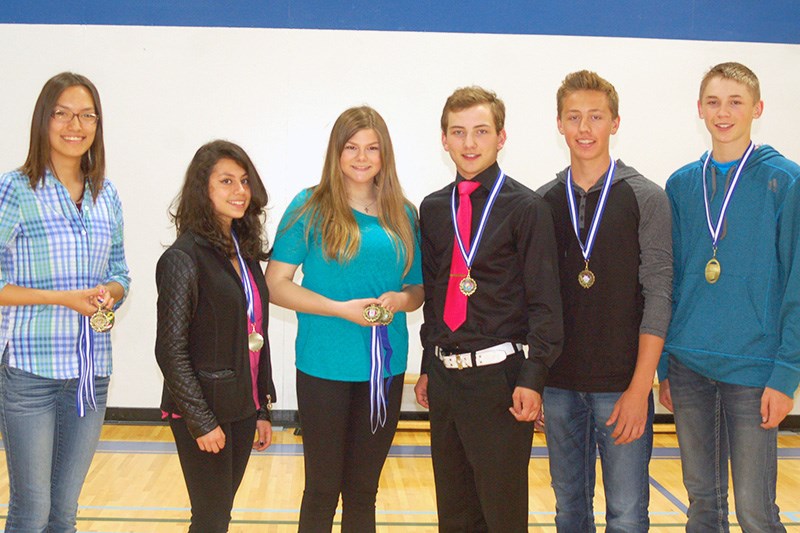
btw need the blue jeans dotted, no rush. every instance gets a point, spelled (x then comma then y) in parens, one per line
(575, 425)
(48, 448)
(715, 421)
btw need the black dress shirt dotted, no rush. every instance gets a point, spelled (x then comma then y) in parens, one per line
(515, 267)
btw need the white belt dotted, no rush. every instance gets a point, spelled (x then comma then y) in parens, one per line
(487, 356)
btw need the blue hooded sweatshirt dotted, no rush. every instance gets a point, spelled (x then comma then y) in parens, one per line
(745, 328)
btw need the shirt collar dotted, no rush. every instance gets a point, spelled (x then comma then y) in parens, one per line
(49, 180)
(485, 178)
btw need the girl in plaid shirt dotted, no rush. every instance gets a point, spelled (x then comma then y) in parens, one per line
(61, 261)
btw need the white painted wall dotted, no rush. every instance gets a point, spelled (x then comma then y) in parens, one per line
(166, 91)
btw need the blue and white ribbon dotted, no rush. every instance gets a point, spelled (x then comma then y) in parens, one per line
(85, 368)
(248, 289)
(586, 248)
(470, 257)
(715, 231)
(380, 361)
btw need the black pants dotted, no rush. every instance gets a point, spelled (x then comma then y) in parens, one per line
(480, 452)
(341, 454)
(213, 478)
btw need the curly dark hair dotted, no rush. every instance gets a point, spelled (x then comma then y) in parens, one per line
(193, 210)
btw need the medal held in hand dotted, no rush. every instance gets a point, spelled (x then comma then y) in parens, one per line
(386, 317)
(102, 320)
(372, 313)
(376, 314)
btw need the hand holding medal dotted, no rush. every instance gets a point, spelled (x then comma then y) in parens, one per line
(380, 377)
(102, 320)
(376, 314)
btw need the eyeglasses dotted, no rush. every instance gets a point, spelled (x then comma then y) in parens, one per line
(65, 117)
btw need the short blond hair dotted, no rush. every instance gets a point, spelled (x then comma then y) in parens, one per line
(736, 72)
(466, 97)
(586, 80)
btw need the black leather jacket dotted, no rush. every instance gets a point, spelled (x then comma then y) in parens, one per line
(201, 340)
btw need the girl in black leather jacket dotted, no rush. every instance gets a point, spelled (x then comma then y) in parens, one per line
(212, 323)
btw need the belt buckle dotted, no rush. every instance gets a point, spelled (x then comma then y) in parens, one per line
(458, 360)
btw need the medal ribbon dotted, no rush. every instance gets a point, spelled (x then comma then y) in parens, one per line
(85, 368)
(470, 257)
(586, 249)
(86, 390)
(248, 289)
(715, 231)
(380, 359)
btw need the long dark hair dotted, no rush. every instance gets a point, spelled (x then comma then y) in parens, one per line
(193, 210)
(93, 162)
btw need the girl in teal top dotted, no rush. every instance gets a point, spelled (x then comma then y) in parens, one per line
(356, 236)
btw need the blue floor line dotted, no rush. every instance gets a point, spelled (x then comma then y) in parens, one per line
(409, 451)
(668, 495)
(790, 518)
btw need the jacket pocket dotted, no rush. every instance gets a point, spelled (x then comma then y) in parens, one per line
(223, 391)
(226, 373)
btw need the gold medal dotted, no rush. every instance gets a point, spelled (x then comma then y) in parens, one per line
(102, 320)
(713, 270)
(586, 277)
(255, 341)
(377, 314)
(386, 317)
(468, 285)
(372, 313)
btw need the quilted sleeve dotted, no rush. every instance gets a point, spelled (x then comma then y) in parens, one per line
(177, 282)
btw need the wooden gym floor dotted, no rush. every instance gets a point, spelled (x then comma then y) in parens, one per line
(135, 485)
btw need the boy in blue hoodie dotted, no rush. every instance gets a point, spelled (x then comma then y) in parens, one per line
(731, 360)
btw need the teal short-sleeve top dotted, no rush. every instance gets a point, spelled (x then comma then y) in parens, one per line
(331, 347)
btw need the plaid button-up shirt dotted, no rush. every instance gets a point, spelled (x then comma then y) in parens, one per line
(46, 243)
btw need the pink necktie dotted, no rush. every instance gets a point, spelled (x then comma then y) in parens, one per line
(455, 303)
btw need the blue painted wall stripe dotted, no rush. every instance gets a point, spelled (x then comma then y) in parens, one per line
(776, 21)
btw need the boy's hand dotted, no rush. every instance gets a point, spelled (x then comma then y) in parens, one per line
(665, 395)
(527, 404)
(775, 405)
(630, 417)
(421, 391)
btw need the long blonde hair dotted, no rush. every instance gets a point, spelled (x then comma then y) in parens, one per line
(330, 216)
